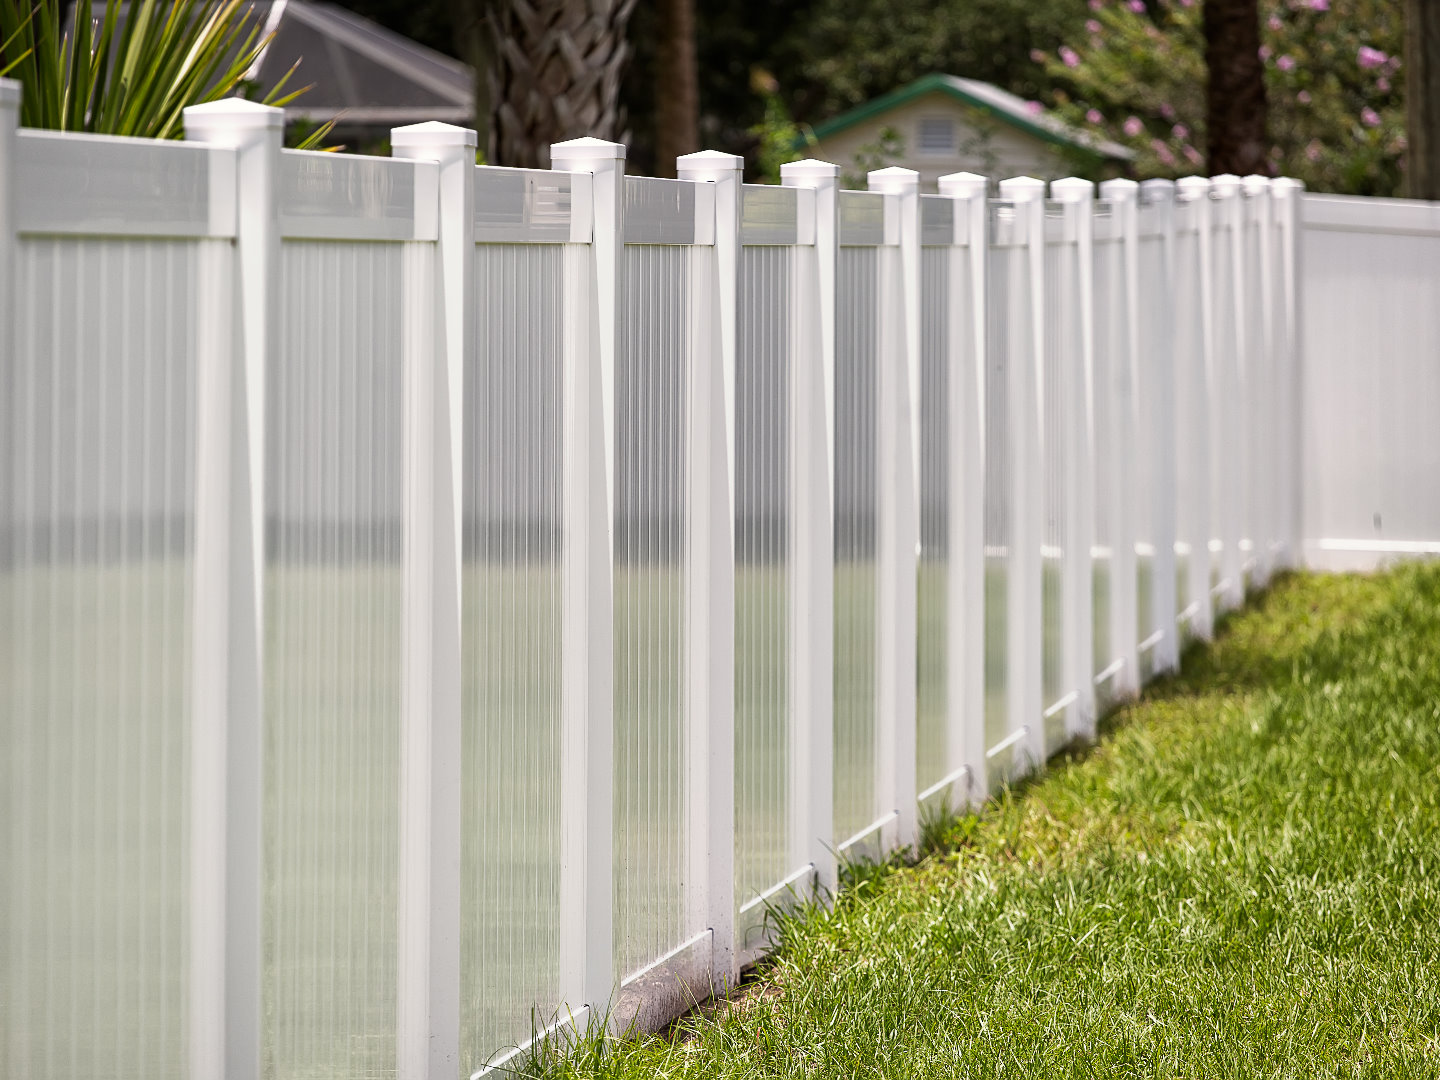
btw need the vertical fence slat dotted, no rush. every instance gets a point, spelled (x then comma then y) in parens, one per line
(812, 752)
(710, 636)
(428, 1036)
(229, 554)
(1227, 432)
(587, 729)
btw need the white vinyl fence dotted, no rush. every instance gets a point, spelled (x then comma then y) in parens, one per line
(442, 603)
(1371, 388)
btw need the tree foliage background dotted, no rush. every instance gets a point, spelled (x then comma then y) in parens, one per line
(1133, 70)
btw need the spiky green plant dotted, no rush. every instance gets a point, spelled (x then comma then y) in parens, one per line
(134, 68)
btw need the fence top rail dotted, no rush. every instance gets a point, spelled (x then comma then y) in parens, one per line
(669, 211)
(940, 223)
(350, 197)
(1356, 213)
(1007, 225)
(776, 216)
(868, 219)
(77, 184)
(532, 206)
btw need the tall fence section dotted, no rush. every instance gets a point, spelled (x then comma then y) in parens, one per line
(445, 603)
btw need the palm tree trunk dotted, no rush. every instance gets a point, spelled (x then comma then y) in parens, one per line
(554, 75)
(1422, 99)
(1235, 97)
(677, 86)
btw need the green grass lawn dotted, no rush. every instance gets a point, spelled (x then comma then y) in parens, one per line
(1242, 879)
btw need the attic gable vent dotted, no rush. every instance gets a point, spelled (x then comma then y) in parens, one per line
(937, 135)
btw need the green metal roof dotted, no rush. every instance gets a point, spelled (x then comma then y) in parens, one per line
(988, 98)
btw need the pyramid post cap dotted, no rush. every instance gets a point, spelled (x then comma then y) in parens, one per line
(1255, 183)
(1120, 189)
(713, 157)
(234, 113)
(587, 148)
(1188, 188)
(810, 167)
(1072, 189)
(432, 133)
(964, 184)
(1022, 188)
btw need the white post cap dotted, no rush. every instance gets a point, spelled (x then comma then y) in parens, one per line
(893, 179)
(584, 150)
(808, 173)
(1072, 189)
(1190, 188)
(210, 121)
(708, 165)
(1022, 188)
(1119, 190)
(429, 136)
(1158, 190)
(1225, 185)
(1255, 184)
(963, 185)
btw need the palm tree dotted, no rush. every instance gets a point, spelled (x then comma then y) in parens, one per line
(555, 68)
(1235, 97)
(677, 85)
(1422, 98)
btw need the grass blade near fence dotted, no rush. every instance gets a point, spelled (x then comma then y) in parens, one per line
(1238, 880)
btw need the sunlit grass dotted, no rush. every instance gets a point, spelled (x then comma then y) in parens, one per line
(1239, 879)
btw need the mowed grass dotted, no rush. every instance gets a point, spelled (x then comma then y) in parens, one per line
(1241, 879)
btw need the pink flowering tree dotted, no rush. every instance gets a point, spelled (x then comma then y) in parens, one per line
(1333, 77)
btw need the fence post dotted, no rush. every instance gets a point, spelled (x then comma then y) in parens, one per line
(240, 290)
(1288, 193)
(710, 749)
(1027, 379)
(898, 475)
(1197, 394)
(812, 544)
(440, 346)
(1079, 389)
(1124, 627)
(1161, 195)
(965, 649)
(587, 753)
(1226, 404)
(1264, 420)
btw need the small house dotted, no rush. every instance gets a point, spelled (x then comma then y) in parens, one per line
(942, 124)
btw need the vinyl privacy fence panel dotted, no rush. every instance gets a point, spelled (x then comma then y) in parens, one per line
(449, 606)
(1370, 329)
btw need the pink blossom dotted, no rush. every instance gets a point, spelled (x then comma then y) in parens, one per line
(1167, 110)
(1037, 56)
(1137, 6)
(1192, 155)
(1319, 5)
(1312, 152)
(1092, 26)
(1133, 126)
(1096, 5)
(1275, 23)
(1069, 56)
(1382, 84)
(1285, 63)
(1399, 143)
(1094, 117)
(1034, 108)
(1162, 152)
(1370, 58)
(1369, 117)
(1265, 52)
(1180, 131)
(1187, 3)
(1303, 97)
